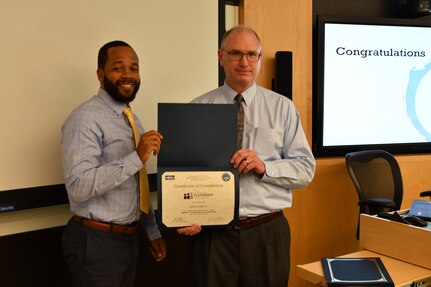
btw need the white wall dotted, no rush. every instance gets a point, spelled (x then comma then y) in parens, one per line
(48, 54)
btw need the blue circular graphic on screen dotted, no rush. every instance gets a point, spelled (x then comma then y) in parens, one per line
(418, 99)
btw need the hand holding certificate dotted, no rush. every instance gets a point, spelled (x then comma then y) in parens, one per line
(197, 183)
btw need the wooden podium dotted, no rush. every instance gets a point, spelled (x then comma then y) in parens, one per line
(405, 251)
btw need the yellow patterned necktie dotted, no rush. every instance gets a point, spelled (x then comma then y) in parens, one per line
(144, 186)
(240, 119)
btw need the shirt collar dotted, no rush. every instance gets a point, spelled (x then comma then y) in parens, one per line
(116, 106)
(248, 94)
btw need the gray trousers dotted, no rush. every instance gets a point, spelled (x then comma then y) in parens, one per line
(99, 259)
(253, 257)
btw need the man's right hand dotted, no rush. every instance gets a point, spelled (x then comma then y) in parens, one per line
(149, 143)
(190, 230)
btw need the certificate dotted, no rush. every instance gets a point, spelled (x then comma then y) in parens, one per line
(196, 182)
(203, 197)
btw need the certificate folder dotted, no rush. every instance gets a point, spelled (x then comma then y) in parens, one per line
(198, 142)
(365, 272)
(197, 135)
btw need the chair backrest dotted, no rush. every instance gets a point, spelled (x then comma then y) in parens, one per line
(375, 174)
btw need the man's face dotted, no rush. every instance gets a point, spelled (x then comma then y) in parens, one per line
(240, 74)
(120, 76)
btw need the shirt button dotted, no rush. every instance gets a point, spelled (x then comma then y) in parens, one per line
(241, 189)
(117, 183)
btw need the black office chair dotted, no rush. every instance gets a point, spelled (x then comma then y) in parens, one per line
(377, 178)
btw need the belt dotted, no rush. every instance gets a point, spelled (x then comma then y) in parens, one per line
(106, 227)
(255, 221)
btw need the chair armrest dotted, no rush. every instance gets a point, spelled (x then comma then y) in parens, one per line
(377, 202)
(425, 193)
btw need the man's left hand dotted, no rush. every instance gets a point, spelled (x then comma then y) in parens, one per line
(158, 249)
(246, 160)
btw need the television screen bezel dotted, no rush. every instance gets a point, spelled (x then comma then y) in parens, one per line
(319, 150)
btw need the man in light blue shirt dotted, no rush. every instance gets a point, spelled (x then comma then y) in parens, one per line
(274, 159)
(101, 163)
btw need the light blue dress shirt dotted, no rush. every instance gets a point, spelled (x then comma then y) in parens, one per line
(100, 164)
(272, 128)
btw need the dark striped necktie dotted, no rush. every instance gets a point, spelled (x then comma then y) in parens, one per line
(240, 119)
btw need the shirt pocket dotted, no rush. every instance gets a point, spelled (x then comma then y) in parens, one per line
(268, 143)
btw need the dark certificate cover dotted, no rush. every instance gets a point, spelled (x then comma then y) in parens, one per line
(356, 272)
(196, 137)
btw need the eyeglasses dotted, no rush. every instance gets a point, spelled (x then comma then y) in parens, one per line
(235, 55)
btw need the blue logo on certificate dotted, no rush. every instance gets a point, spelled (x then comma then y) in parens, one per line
(225, 176)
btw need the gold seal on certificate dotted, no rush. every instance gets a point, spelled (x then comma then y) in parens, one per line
(203, 197)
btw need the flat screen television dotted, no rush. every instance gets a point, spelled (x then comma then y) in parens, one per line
(372, 85)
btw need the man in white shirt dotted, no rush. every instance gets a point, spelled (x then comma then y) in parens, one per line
(274, 158)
